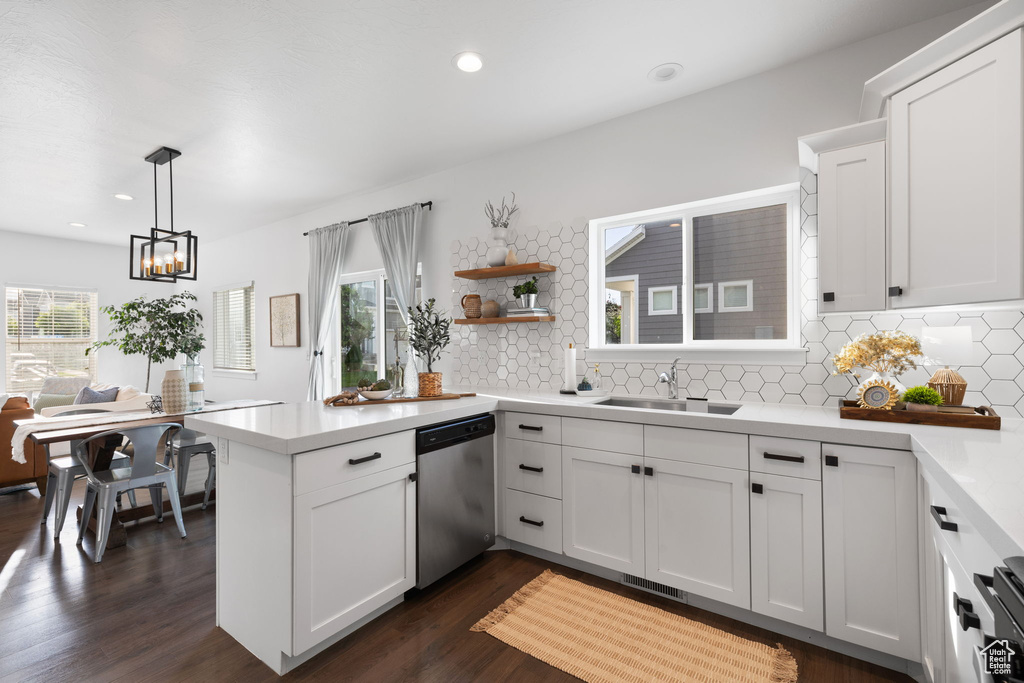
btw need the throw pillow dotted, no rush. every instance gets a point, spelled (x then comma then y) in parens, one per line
(51, 400)
(88, 395)
(128, 392)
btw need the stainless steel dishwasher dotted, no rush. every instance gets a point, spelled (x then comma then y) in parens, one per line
(455, 495)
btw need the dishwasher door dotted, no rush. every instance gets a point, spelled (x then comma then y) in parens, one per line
(455, 497)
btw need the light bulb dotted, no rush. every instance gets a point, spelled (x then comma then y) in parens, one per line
(468, 62)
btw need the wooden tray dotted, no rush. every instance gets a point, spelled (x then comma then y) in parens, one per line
(982, 418)
(442, 397)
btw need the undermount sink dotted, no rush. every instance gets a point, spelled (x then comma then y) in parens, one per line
(665, 404)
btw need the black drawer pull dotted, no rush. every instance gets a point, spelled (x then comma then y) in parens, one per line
(828, 297)
(757, 488)
(531, 428)
(895, 291)
(831, 461)
(524, 520)
(359, 461)
(938, 512)
(649, 471)
(961, 604)
(635, 469)
(530, 469)
(969, 620)
(784, 458)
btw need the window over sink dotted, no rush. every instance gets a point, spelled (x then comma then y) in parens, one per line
(708, 281)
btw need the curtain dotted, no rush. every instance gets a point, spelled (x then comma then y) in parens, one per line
(397, 233)
(326, 255)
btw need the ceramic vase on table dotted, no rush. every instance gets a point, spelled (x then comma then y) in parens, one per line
(498, 251)
(174, 392)
(471, 305)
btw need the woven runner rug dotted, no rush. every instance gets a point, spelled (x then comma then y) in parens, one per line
(599, 636)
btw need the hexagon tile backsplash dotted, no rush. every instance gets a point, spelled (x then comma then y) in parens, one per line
(529, 355)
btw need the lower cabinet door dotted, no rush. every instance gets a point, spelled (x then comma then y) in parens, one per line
(603, 508)
(785, 549)
(933, 606)
(355, 550)
(698, 529)
(533, 520)
(872, 586)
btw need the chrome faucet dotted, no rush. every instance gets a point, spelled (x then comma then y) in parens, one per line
(671, 380)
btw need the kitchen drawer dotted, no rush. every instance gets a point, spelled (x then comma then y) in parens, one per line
(599, 435)
(533, 427)
(699, 446)
(329, 466)
(523, 459)
(533, 520)
(788, 457)
(971, 550)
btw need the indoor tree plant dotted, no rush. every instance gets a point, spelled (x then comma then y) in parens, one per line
(428, 336)
(158, 329)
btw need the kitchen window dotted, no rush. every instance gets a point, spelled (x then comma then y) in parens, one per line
(48, 332)
(711, 281)
(234, 330)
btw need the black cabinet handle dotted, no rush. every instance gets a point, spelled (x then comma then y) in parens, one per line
(359, 461)
(635, 469)
(828, 297)
(961, 604)
(969, 620)
(938, 512)
(895, 291)
(413, 477)
(524, 520)
(784, 458)
(530, 469)
(531, 428)
(832, 461)
(757, 488)
(648, 471)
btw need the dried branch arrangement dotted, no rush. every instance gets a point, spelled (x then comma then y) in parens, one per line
(501, 216)
(889, 351)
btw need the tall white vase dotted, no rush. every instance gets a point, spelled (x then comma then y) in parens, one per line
(499, 247)
(174, 392)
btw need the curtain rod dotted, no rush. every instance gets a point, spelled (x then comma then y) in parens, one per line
(426, 205)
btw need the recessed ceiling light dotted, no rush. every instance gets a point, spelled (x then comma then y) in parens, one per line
(664, 72)
(125, 197)
(468, 62)
(77, 225)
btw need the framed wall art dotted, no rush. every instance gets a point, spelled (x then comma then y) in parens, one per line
(284, 320)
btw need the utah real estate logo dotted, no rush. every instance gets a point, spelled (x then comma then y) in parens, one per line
(998, 655)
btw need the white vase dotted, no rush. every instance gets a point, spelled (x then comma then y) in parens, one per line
(498, 250)
(174, 392)
(885, 377)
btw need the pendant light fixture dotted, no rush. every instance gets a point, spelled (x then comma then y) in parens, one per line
(164, 255)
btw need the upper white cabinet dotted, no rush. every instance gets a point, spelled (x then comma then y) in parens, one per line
(851, 229)
(871, 564)
(956, 182)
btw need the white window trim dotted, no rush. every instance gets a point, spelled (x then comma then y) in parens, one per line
(753, 351)
(651, 291)
(233, 373)
(710, 288)
(722, 308)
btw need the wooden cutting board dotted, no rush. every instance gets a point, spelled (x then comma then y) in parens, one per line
(442, 397)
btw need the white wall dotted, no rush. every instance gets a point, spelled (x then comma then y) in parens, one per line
(49, 262)
(737, 137)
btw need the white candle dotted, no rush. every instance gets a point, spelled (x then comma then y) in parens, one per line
(569, 372)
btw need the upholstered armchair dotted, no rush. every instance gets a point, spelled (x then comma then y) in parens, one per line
(13, 473)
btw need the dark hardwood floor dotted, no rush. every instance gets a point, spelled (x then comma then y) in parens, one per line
(146, 613)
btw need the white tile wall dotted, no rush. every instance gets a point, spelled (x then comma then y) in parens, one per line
(530, 354)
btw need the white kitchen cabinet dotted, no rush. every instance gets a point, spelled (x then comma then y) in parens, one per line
(851, 229)
(603, 508)
(957, 168)
(871, 548)
(355, 551)
(786, 549)
(697, 529)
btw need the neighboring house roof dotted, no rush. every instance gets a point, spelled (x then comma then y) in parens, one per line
(632, 238)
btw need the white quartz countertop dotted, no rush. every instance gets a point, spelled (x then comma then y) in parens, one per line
(983, 470)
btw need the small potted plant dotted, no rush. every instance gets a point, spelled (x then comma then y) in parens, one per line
(922, 399)
(428, 336)
(526, 293)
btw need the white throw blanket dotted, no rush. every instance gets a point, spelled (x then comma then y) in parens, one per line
(89, 420)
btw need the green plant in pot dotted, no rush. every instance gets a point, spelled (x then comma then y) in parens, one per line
(922, 399)
(428, 336)
(158, 329)
(526, 293)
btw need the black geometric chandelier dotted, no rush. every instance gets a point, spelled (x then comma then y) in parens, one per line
(165, 255)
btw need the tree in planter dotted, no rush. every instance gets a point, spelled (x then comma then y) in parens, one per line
(428, 332)
(155, 328)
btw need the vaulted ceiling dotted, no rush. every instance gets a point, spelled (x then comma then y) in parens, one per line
(283, 106)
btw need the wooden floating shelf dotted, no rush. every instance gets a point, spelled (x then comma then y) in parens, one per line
(505, 321)
(506, 271)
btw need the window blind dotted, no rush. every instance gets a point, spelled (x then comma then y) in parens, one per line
(47, 334)
(234, 328)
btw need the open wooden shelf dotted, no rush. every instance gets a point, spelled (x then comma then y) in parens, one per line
(506, 271)
(505, 321)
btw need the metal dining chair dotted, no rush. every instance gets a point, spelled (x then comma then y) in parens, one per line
(61, 474)
(191, 443)
(145, 472)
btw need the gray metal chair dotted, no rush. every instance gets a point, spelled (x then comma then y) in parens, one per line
(61, 475)
(145, 472)
(191, 443)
